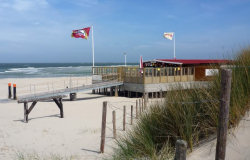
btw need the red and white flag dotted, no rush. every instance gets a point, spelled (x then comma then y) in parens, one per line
(169, 35)
(81, 33)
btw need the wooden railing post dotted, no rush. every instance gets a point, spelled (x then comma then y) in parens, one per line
(131, 114)
(114, 124)
(103, 132)
(139, 106)
(226, 77)
(124, 117)
(180, 150)
(136, 109)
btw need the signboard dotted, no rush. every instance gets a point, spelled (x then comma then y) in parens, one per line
(211, 72)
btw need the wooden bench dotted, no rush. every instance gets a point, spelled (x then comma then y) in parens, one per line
(34, 99)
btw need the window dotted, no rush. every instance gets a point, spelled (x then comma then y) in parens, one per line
(146, 72)
(166, 71)
(162, 71)
(178, 71)
(158, 71)
(192, 70)
(150, 72)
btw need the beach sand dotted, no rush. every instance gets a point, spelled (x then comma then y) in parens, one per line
(77, 135)
(238, 144)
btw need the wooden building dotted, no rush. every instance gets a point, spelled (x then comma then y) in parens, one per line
(159, 75)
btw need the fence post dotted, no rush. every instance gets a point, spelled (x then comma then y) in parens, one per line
(142, 105)
(180, 150)
(114, 124)
(136, 109)
(104, 115)
(226, 77)
(139, 106)
(131, 114)
(145, 100)
(124, 117)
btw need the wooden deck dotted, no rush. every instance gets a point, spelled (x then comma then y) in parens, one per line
(58, 95)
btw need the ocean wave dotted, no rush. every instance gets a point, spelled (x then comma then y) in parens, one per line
(28, 70)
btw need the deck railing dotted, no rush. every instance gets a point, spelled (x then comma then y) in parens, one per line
(149, 75)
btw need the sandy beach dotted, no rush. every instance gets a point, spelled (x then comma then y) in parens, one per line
(76, 136)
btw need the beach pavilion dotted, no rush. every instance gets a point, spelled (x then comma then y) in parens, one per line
(158, 76)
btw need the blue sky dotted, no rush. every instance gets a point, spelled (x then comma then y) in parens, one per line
(39, 30)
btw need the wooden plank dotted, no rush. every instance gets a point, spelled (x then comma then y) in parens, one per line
(42, 98)
(226, 77)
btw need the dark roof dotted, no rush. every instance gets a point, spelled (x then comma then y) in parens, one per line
(194, 61)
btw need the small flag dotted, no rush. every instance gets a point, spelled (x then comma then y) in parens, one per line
(81, 33)
(169, 35)
(141, 65)
(141, 62)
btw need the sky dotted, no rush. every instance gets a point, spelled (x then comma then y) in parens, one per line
(40, 30)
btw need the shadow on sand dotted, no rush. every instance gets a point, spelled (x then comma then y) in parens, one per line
(54, 115)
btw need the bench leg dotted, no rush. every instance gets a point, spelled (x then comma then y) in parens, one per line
(25, 112)
(60, 106)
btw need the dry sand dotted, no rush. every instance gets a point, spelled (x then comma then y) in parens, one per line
(77, 135)
(238, 144)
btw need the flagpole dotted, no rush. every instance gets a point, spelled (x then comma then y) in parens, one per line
(174, 46)
(93, 50)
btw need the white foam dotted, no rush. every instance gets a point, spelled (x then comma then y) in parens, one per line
(28, 70)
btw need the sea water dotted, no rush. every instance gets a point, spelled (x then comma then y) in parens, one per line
(25, 70)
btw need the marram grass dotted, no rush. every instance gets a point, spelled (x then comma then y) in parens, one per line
(191, 115)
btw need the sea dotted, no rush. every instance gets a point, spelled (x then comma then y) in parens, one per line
(26, 70)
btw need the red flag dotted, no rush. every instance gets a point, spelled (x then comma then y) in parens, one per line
(141, 62)
(81, 33)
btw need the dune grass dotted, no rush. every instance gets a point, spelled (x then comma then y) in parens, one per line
(35, 156)
(191, 115)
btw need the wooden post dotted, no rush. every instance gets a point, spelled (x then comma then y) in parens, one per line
(114, 124)
(180, 150)
(111, 91)
(124, 117)
(136, 109)
(60, 106)
(14, 92)
(142, 105)
(226, 77)
(116, 91)
(25, 112)
(104, 115)
(131, 114)
(139, 106)
(145, 100)
(9, 90)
